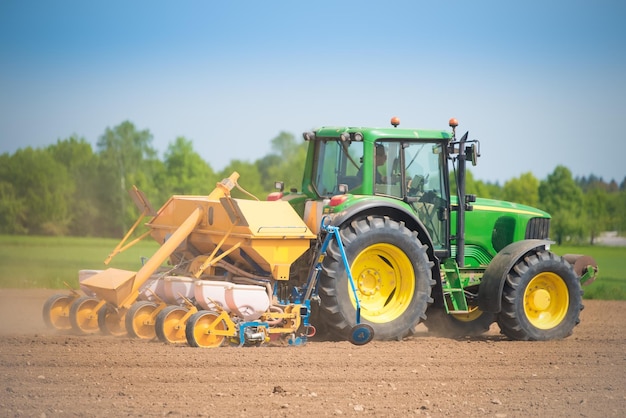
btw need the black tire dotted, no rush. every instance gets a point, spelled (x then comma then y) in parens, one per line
(112, 321)
(472, 324)
(541, 300)
(392, 274)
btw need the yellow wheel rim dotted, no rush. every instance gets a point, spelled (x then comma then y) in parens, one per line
(473, 314)
(385, 282)
(87, 316)
(115, 322)
(143, 322)
(58, 313)
(546, 300)
(202, 330)
(174, 326)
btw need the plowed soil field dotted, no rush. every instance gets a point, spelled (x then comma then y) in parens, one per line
(47, 374)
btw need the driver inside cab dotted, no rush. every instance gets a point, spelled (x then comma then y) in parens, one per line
(381, 159)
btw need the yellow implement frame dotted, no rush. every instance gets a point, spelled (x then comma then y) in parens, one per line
(263, 234)
(221, 325)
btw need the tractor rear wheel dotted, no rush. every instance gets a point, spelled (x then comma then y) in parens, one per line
(392, 276)
(56, 312)
(471, 324)
(541, 300)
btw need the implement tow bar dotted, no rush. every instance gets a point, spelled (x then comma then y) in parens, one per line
(360, 334)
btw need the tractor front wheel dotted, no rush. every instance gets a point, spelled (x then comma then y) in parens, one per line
(392, 276)
(541, 300)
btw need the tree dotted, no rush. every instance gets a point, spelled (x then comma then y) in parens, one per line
(616, 216)
(185, 171)
(562, 198)
(12, 206)
(12, 210)
(249, 179)
(126, 158)
(620, 214)
(40, 189)
(285, 163)
(289, 166)
(524, 189)
(476, 187)
(77, 156)
(595, 212)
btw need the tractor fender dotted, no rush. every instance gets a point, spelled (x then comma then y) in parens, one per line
(492, 283)
(386, 208)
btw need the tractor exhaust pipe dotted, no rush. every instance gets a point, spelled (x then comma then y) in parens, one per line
(460, 188)
(460, 216)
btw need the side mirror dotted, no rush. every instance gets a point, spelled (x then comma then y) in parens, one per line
(472, 153)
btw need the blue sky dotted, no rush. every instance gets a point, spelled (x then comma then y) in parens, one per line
(539, 83)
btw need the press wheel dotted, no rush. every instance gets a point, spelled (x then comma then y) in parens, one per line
(56, 312)
(199, 327)
(111, 321)
(170, 324)
(84, 315)
(140, 320)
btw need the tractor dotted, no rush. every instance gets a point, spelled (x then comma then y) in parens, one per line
(421, 251)
(381, 237)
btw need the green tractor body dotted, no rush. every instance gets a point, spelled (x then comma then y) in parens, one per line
(415, 253)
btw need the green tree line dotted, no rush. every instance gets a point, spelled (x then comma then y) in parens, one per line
(70, 188)
(581, 208)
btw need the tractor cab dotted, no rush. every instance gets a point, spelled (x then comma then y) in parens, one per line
(403, 165)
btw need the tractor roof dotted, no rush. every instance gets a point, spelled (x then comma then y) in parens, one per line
(374, 133)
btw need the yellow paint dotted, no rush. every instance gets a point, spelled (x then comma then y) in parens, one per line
(507, 210)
